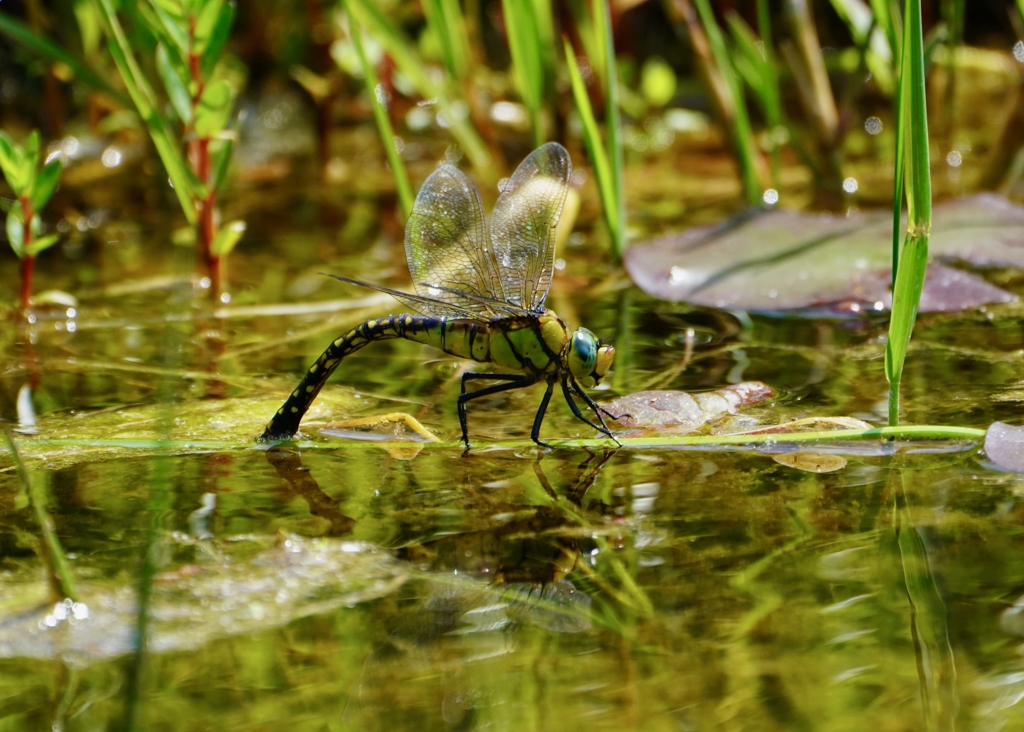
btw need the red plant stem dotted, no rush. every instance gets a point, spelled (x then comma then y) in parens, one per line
(28, 261)
(199, 156)
(27, 267)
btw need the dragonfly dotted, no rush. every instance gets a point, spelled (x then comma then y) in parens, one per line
(479, 294)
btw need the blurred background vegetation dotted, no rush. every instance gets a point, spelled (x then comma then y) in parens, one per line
(209, 95)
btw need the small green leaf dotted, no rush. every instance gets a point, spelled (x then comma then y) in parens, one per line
(30, 163)
(214, 109)
(221, 151)
(218, 36)
(226, 238)
(177, 87)
(171, 6)
(173, 28)
(205, 22)
(46, 184)
(41, 244)
(16, 232)
(9, 157)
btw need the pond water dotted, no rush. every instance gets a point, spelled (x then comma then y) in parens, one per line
(346, 583)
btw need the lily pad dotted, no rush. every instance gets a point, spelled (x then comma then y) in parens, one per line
(835, 265)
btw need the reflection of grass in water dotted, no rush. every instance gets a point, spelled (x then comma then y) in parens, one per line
(61, 578)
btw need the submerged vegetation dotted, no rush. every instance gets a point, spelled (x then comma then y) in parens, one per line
(822, 534)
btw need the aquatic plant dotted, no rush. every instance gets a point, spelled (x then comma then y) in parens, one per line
(190, 38)
(33, 182)
(913, 177)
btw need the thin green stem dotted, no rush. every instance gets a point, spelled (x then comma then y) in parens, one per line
(902, 432)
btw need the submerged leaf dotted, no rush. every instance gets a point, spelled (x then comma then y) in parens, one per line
(811, 462)
(195, 604)
(784, 260)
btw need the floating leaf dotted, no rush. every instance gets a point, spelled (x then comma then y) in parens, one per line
(1004, 445)
(680, 409)
(784, 260)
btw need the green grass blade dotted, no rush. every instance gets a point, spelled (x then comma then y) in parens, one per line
(186, 185)
(401, 51)
(547, 40)
(44, 47)
(380, 115)
(592, 141)
(742, 133)
(613, 128)
(911, 263)
(446, 22)
(524, 46)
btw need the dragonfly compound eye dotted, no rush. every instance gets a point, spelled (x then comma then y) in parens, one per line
(583, 353)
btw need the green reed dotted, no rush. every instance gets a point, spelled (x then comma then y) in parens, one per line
(747, 156)
(409, 62)
(607, 159)
(380, 116)
(912, 178)
(525, 42)
(599, 157)
(754, 59)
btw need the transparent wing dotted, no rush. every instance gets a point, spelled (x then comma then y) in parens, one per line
(523, 224)
(423, 305)
(447, 245)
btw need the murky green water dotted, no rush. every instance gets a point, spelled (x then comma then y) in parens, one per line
(349, 585)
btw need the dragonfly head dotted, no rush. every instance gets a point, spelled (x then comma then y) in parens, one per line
(588, 359)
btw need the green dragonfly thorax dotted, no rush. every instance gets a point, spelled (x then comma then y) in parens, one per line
(588, 359)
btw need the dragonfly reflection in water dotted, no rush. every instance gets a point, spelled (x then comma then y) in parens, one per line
(480, 294)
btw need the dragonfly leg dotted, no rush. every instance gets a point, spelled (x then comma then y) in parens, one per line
(598, 409)
(512, 381)
(602, 427)
(535, 432)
